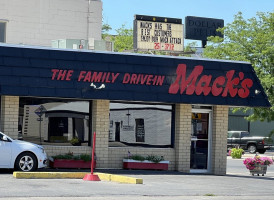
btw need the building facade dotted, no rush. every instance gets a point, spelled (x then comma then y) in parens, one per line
(139, 104)
(174, 107)
(38, 22)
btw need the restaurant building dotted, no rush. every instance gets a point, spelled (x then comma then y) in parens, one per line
(174, 107)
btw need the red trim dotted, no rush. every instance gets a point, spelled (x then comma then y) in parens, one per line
(60, 163)
(142, 165)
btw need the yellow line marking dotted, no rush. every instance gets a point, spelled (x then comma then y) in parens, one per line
(76, 175)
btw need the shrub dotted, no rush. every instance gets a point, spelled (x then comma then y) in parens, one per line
(137, 157)
(155, 159)
(152, 158)
(75, 141)
(70, 156)
(85, 157)
(236, 152)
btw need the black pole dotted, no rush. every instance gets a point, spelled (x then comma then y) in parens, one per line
(40, 119)
(204, 43)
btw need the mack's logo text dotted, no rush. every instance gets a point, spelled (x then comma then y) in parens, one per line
(222, 85)
(231, 84)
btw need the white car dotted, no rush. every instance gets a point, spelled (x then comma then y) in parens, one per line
(20, 155)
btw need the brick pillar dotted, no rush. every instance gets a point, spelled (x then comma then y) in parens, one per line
(9, 115)
(182, 137)
(219, 139)
(100, 124)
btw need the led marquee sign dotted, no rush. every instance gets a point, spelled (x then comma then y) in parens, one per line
(158, 33)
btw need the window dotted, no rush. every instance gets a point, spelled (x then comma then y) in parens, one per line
(146, 125)
(2, 31)
(244, 134)
(61, 120)
(235, 135)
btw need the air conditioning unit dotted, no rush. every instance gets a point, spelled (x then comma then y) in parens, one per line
(70, 44)
(99, 45)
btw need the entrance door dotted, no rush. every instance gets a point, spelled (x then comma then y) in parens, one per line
(117, 131)
(200, 137)
(140, 130)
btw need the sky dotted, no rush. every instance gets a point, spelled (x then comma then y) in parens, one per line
(119, 12)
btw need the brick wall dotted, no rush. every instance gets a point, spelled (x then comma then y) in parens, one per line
(57, 150)
(182, 136)
(116, 155)
(219, 139)
(100, 124)
(9, 115)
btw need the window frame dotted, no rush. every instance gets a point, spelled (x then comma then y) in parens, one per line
(5, 30)
(172, 129)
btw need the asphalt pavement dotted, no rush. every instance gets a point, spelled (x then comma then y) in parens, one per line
(160, 185)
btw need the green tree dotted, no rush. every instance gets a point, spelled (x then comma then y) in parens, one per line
(123, 41)
(249, 40)
(105, 29)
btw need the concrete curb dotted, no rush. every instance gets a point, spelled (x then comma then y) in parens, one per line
(76, 175)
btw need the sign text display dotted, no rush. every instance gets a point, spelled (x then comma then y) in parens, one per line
(194, 83)
(199, 28)
(153, 35)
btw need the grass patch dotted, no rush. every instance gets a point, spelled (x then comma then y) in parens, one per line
(210, 195)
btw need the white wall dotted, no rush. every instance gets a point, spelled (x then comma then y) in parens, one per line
(37, 22)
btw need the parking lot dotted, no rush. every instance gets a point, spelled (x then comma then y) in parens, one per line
(237, 184)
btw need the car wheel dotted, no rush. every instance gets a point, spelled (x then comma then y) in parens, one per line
(252, 148)
(262, 151)
(26, 162)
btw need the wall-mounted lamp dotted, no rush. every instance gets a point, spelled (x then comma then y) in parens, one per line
(257, 92)
(95, 87)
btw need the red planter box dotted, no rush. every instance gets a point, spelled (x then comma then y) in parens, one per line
(60, 163)
(135, 164)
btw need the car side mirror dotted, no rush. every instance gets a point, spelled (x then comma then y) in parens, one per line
(5, 138)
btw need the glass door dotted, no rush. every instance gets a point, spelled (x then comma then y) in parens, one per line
(200, 141)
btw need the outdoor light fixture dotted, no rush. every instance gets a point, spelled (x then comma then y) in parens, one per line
(257, 92)
(102, 86)
(95, 87)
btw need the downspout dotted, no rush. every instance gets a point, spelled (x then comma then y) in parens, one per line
(88, 16)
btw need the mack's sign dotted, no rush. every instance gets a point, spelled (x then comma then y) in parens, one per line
(203, 84)
(195, 83)
(87, 75)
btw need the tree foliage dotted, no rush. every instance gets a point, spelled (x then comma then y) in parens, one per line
(105, 29)
(249, 40)
(123, 41)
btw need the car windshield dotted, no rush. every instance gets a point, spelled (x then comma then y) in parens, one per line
(245, 134)
(232, 135)
(1, 136)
